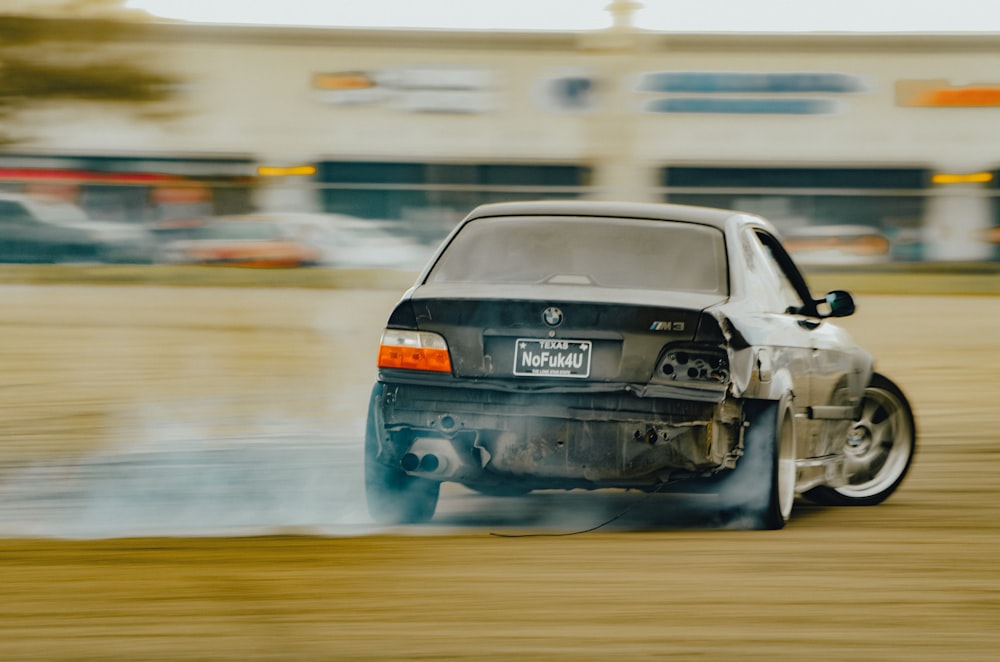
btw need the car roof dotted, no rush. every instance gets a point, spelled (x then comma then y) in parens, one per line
(717, 218)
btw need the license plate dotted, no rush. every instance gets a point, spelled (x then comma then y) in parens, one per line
(548, 357)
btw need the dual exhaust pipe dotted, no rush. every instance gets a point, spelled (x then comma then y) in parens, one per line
(429, 463)
(437, 458)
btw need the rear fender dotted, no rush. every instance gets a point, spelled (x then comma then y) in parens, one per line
(743, 359)
(755, 372)
(777, 387)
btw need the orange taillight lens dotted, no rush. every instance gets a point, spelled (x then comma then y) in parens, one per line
(413, 350)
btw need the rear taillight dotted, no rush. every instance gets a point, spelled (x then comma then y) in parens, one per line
(413, 350)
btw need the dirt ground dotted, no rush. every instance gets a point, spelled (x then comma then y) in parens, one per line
(87, 369)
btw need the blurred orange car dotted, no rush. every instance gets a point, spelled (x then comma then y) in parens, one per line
(838, 245)
(243, 242)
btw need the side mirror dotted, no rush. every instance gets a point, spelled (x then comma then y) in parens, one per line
(839, 303)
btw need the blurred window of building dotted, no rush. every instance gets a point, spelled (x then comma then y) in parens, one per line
(428, 199)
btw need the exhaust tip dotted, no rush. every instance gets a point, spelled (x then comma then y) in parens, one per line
(409, 462)
(429, 463)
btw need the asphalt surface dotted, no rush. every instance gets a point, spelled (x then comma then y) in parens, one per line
(180, 479)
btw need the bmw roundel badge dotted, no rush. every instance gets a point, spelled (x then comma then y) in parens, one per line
(552, 316)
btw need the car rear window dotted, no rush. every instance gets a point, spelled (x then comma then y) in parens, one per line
(602, 252)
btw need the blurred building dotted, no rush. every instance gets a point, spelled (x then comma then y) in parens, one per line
(416, 127)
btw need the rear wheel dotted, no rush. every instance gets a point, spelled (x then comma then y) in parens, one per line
(760, 491)
(878, 450)
(394, 497)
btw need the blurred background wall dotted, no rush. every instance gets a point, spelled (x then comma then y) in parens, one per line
(894, 133)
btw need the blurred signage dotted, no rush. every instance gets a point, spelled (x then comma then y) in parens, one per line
(962, 178)
(570, 91)
(444, 90)
(942, 94)
(351, 80)
(286, 171)
(753, 93)
(348, 87)
(743, 106)
(413, 89)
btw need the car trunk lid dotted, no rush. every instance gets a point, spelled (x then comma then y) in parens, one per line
(556, 332)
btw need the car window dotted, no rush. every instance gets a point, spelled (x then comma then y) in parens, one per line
(13, 212)
(57, 211)
(601, 252)
(782, 293)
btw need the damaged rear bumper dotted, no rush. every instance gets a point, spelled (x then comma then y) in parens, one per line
(552, 440)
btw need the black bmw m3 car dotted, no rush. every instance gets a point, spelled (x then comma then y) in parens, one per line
(591, 345)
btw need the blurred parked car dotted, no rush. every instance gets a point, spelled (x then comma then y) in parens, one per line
(348, 241)
(41, 229)
(290, 239)
(237, 241)
(838, 245)
(907, 244)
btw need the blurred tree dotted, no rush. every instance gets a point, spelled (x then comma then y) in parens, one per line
(113, 9)
(45, 59)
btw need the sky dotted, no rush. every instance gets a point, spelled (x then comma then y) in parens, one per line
(581, 15)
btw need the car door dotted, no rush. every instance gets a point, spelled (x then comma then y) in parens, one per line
(19, 241)
(782, 292)
(835, 371)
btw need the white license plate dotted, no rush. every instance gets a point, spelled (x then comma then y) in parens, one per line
(549, 357)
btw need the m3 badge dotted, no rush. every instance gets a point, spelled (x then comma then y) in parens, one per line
(666, 326)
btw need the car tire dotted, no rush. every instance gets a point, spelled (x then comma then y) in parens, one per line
(760, 491)
(878, 450)
(393, 496)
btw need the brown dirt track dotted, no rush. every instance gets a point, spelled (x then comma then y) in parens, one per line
(917, 578)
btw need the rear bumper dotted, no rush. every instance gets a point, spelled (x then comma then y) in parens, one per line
(551, 440)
